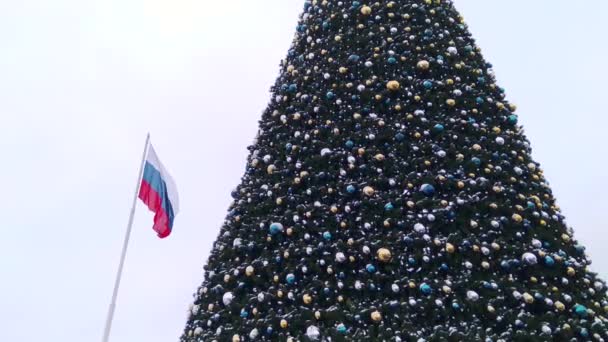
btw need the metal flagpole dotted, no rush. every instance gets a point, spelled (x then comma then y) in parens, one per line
(106, 333)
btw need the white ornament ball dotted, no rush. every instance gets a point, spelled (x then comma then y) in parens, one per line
(472, 296)
(452, 51)
(313, 333)
(227, 298)
(340, 257)
(419, 228)
(254, 334)
(529, 259)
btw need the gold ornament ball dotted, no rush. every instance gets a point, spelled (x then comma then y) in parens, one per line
(423, 65)
(450, 248)
(384, 255)
(376, 316)
(307, 299)
(369, 191)
(571, 272)
(236, 338)
(451, 102)
(284, 324)
(393, 85)
(366, 10)
(517, 218)
(249, 271)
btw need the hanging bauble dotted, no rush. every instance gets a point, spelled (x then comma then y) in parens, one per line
(254, 334)
(529, 258)
(425, 288)
(450, 248)
(472, 296)
(384, 255)
(227, 298)
(376, 316)
(427, 189)
(366, 10)
(393, 85)
(276, 228)
(423, 65)
(313, 333)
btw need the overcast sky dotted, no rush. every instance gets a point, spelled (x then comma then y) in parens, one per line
(82, 81)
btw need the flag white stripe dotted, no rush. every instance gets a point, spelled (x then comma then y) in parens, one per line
(152, 158)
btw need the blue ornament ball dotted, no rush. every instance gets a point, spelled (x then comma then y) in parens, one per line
(276, 228)
(425, 288)
(427, 189)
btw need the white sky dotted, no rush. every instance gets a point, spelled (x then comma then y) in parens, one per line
(82, 81)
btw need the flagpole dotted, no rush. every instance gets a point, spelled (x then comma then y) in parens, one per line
(106, 333)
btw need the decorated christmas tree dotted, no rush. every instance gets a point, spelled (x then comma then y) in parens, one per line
(391, 196)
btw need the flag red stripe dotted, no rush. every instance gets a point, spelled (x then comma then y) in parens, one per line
(154, 202)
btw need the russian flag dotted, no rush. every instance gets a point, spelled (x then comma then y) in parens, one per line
(159, 193)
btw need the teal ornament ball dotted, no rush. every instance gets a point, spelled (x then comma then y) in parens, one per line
(580, 310)
(276, 228)
(425, 289)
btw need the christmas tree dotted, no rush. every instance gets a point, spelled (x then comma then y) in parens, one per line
(391, 196)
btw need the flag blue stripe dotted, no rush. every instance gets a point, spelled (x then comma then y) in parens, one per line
(153, 177)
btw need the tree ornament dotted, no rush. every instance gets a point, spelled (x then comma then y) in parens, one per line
(393, 85)
(368, 191)
(227, 298)
(384, 255)
(423, 65)
(313, 333)
(376, 316)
